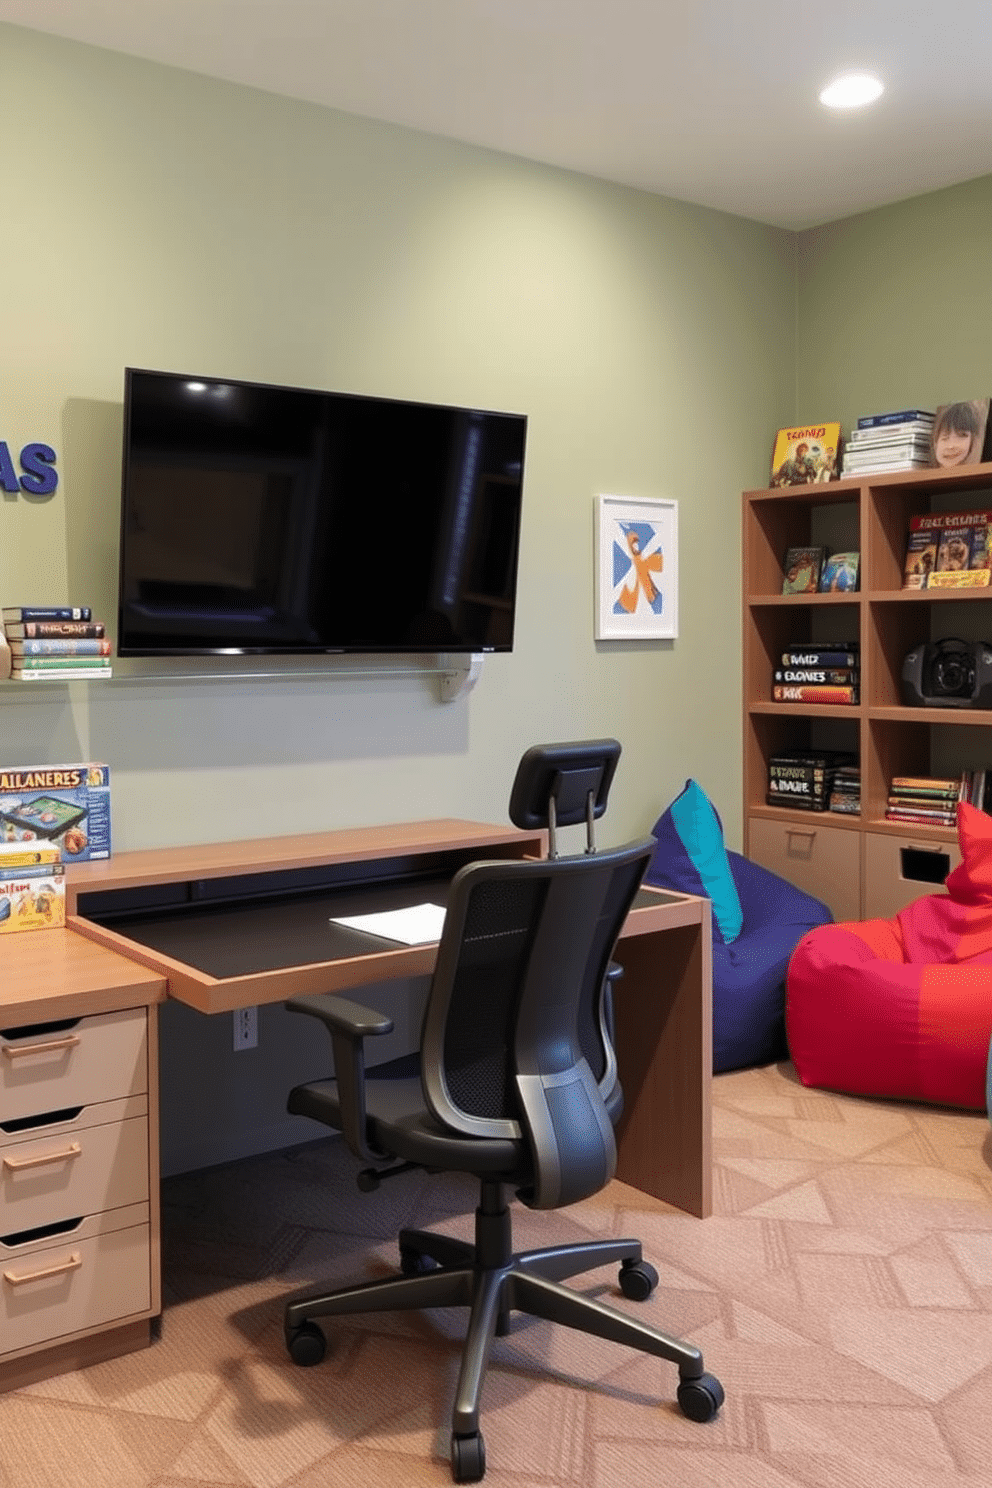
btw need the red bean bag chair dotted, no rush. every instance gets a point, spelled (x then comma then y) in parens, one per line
(903, 1007)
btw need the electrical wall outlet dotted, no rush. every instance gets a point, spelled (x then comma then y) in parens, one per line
(246, 1028)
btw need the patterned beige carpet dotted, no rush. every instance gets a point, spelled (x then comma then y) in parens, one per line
(842, 1291)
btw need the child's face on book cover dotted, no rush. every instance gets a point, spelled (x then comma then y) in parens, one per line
(952, 447)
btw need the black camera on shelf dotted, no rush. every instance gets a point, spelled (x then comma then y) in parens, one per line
(949, 673)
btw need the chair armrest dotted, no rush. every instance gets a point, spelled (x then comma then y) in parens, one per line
(341, 1015)
(348, 1024)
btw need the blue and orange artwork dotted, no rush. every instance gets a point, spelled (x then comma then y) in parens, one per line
(637, 562)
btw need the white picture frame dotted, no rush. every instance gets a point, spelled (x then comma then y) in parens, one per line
(637, 569)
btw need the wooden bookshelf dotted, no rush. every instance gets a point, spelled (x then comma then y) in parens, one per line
(863, 865)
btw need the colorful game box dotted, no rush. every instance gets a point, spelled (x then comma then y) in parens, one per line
(65, 805)
(33, 899)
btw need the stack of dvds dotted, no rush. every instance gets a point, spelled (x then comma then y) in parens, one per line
(845, 792)
(56, 643)
(818, 672)
(803, 778)
(928, 800)
(889, 441)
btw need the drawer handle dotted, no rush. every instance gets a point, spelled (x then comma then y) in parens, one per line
(17, 1051)
(800, 832)
(18, 1164)
(20, 1278)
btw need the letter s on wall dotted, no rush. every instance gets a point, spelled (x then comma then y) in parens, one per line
(38, 461)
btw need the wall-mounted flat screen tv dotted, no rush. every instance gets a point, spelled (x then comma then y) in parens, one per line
(264, 519)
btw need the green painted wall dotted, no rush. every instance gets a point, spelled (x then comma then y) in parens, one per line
(894, 309)
(156, 218)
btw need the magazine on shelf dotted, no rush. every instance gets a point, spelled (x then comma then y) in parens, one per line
(949, 550)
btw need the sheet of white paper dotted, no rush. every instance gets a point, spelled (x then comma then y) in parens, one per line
(418, 925)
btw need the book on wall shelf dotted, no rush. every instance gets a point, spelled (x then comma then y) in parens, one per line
(804, 780)
(19, 614)
(808, 454)
(901, 416)
(58, 630)
(961, 434)
(801, 569)
(809, 692)
(931, 800)
(949, 550)
(54, 643)
(840, 573)
(821, 654)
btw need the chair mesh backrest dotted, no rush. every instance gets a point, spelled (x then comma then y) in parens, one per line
(514, 1039)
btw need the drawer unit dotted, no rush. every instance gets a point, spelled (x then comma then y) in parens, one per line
(900, 869)
(96, 1161)
(65, 1284)
(821, 859)
(77, 1062)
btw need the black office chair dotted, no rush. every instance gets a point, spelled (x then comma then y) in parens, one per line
(506, 1091)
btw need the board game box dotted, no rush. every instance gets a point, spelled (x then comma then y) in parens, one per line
(66, 805)
(33, 898)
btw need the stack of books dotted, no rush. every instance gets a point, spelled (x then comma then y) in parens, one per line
(803, 779)
(931, 800)
(845, 791)
(889, 441)
(818, 672)
(55, 643)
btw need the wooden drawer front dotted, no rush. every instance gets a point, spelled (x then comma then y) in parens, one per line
(46, 1177)
(823, 860)
(94, 1059)
(52, 1290)
(899, 869)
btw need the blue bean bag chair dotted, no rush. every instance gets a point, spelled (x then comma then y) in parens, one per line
(758, 920)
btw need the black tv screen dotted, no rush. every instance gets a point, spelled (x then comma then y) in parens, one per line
(277, 519)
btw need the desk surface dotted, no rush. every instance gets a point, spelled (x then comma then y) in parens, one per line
(664, 1011)
(280, 892)
(50, 974)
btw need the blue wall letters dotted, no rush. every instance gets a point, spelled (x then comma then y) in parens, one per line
(37, 461)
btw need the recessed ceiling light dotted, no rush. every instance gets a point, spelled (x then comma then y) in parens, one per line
(853, 90)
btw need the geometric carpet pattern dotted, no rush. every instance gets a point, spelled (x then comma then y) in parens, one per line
(841, 1291)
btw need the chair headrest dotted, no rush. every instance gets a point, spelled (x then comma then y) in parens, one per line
(566, 774)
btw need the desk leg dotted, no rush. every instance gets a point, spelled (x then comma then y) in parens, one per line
(664, 1025)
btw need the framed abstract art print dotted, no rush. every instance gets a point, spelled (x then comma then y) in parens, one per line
(637, 579)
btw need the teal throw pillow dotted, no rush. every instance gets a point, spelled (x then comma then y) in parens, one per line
(691, 858)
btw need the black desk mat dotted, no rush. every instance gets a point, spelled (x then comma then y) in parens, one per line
(274, 932)
(231, 940)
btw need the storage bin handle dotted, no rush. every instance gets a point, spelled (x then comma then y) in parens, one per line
(51, 1046)
(18, 1164)
(72, 1262)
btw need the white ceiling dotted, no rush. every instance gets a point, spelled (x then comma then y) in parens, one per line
(711, 101)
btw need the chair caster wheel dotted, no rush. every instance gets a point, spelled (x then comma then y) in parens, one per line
(413, 1263)
(307, 1344)
(468, 1458)
(638, 1280)
(700, 1398)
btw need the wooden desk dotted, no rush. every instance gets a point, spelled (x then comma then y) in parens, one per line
(663, 1007)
